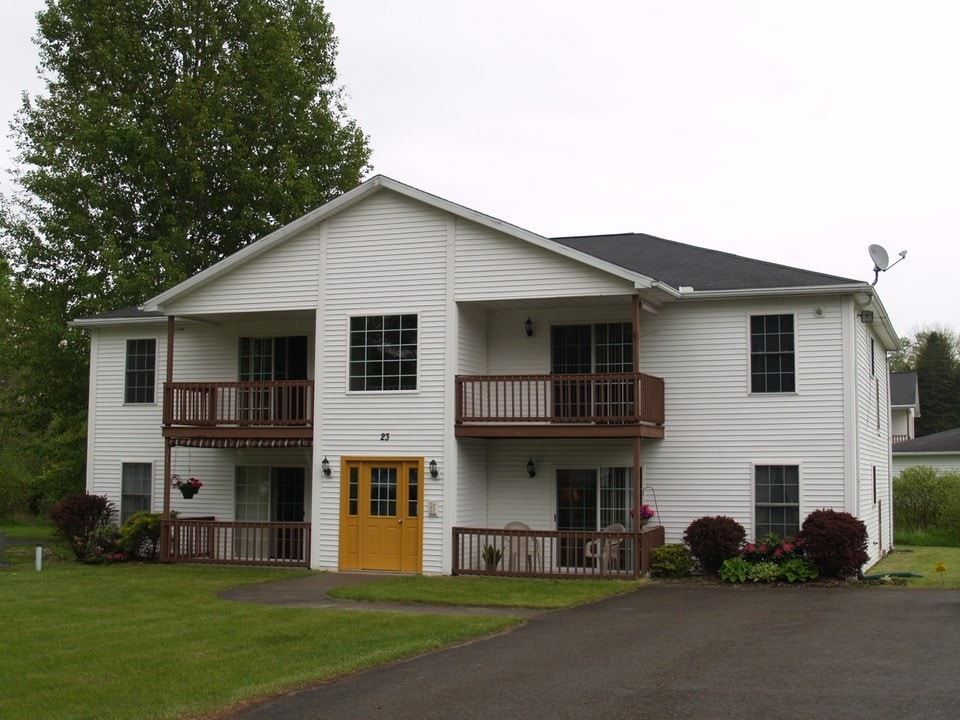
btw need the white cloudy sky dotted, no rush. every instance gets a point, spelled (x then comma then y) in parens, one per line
(798, 133)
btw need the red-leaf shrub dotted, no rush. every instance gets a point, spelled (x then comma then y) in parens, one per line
(714, 539)
(78, 518)
(836, 542)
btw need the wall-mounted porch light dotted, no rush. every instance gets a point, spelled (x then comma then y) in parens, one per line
(433, 469)
(528, 326)
(325, 466)
(866, 316)
(531, 468)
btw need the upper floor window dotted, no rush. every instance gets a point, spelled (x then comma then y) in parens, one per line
(141, 370)
(383, 352)
(772, 362)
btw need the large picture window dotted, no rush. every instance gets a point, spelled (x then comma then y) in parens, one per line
(140, 371)
(383, 352)
(135, 480)
(772, 362)
(777, 500)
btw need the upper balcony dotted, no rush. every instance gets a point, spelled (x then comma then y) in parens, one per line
(582, 405)
(280, 409)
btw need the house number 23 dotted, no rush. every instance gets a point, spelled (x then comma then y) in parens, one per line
(384, 437)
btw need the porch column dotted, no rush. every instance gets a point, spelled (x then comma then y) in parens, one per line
(171, 331)
(637, 480)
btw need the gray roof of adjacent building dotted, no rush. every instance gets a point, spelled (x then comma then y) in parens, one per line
(947, 441)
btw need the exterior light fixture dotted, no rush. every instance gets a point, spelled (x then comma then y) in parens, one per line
(325, 466)
(531, 468)
(528, 326)
(433, 469)
(866, 316)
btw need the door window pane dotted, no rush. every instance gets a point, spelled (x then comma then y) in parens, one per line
(383, 492)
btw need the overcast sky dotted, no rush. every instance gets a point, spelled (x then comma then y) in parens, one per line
(798, 133)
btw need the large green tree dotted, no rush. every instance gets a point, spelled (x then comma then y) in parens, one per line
(938, 381)
(170, 133)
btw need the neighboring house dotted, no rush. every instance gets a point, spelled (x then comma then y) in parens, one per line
(904, 405)
(940, 450)
(368, 385)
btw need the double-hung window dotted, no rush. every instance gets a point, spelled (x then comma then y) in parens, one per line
(140, 371)
(134, 489)
(383, 352)
(777, 497)
(772, 354)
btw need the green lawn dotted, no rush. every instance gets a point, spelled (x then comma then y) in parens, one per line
(486, 591)
(923, 560)
(153, 641)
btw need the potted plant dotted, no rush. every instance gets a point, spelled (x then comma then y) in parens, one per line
(491, 557)
(646, 512)
(189, 487)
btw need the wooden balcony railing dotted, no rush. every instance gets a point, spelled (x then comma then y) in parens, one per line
(554, 553)
(625, 398)
(284, 544)
(281, 403)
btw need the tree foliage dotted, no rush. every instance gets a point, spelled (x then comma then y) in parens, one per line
(170, 134)
(938, 382)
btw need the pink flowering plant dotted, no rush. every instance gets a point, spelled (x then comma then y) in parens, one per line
(191, 482)
(646, 512)
(771, 548)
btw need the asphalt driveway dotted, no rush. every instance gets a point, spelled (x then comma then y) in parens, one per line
(678, 651)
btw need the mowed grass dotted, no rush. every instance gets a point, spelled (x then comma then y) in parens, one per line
(154, 641)
(923, 560)
(485, 591)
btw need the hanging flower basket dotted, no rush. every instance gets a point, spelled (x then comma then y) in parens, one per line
(189, 487)
(646, 513)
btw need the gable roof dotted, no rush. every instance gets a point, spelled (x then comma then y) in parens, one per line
(903, 390)
(679, 265)
(367, 188)
(947, 441)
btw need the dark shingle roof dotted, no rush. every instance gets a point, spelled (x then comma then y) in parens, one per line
(903, 388)
(946, 441)
(679, 265)
(127, 313)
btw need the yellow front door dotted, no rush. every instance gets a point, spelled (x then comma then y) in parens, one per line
(380, 502)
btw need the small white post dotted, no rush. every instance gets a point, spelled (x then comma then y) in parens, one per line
(39, 557)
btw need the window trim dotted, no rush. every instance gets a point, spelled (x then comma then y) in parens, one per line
(349, 351)
(750, 355)
(127, 371)
(753, 491)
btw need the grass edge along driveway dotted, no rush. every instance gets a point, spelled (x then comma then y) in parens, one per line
(154, 641)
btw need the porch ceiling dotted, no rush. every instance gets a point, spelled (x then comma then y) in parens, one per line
(559, 431)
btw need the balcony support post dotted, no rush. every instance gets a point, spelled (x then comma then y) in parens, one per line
(638, 397)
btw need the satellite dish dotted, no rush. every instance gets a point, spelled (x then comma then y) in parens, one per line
(881, 261)
(879, 256)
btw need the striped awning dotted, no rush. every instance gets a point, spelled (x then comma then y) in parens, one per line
(225, 442)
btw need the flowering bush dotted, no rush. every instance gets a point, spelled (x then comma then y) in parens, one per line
(771, 548)
(769, 559)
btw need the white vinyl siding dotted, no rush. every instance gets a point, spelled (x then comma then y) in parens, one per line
(285, 277)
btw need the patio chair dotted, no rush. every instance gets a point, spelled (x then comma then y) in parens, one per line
(525, 547)
(605, 551)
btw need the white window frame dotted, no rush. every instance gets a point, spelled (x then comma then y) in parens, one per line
(127, 371)
(749, 349)
(753, 490)
(149, 495)
(349, 353)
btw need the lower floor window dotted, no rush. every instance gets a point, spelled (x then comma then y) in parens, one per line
(134, 489)
(777, 500)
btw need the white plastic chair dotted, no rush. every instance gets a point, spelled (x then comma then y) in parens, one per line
(604, 551)
(525, 547)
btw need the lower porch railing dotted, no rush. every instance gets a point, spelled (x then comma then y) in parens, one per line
(554, 553)
(282, 544)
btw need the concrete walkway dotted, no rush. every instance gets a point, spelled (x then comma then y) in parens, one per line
(676, 651)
